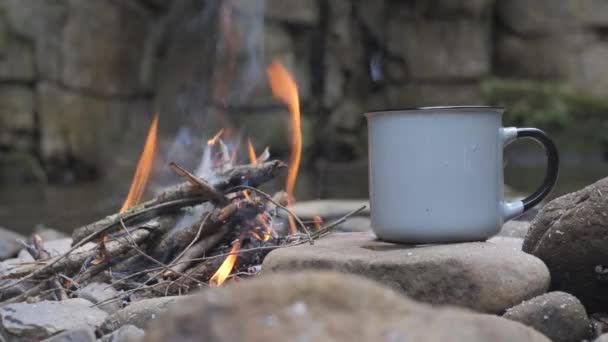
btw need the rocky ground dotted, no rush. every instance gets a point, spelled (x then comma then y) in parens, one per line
(535, 281)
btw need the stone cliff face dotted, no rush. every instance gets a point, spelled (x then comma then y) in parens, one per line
(81, 79)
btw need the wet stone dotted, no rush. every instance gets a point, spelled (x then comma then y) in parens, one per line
(28, 322)
(140, 314)
(482, 276)
(324, 306)
(558, 315)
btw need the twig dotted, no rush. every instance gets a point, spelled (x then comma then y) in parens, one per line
(217, 196)
(279, 205)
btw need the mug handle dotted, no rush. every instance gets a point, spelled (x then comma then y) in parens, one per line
(516, 208)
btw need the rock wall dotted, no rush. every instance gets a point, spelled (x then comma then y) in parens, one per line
(80, 80)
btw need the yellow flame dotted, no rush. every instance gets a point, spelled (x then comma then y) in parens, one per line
(285, 89)
(144, 166)
(217, 135)
(219, 277)
(252, 157)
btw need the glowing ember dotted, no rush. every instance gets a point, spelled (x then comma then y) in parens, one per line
(317, 222)
(219, 277)
(252, 157)
(246, 195)
(217, 135)
(285, 89)
(144, 166)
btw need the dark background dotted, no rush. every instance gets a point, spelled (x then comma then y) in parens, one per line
(80, 81)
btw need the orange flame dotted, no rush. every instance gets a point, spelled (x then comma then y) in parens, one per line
(252, 157)
(219, 277)
(317, 221)
(246, 195)
(285, 89)
(142, 173)
(217, 135)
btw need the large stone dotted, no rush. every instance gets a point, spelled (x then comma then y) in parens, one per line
(29, 322)
(293, 11)
(329, 209)
(126, 333)
(594, 13)
(17, 117)
(482, 276)
(558, 315)
(141, 313)
(76, 335)
(441, 50)
(9, 243)
(102, 46)
(100, 292)
(592, 75)
(324, 306)
(414, 94)
(515, 229)
(570, 235)
(551, 57)
(602, 338)
(83, 132)
(541, 16)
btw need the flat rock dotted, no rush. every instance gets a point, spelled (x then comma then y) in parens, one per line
(483, 276)
(329, 208)
(9, 243)
(100, 292)
(324, 306)
(510, 242)
(602, 338)
(23, 321)
(558, 315)
(126, 333)
(139, 314)
(515, 229)
(76, 335)
(570, 235)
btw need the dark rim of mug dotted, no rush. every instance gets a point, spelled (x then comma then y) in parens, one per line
(389, 111)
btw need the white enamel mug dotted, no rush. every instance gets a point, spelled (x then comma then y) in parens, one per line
(436, 173)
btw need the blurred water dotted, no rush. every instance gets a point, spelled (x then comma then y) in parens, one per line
(68, 207)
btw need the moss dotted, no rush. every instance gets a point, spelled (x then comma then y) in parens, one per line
(544, 104)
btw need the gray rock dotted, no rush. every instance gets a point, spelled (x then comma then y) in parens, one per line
(354, 224)
(76, 335)
(293, 11)
(602, 338)
(48, 233)
(429, 93)
(441, 50)
(540, 16)
(514, 243)
(594, 13)
(592, 73)
(558, 315)
(324, 306)
(570, 235)
(543, 57)
(140, 314)
(126, 333)
(99, 292)
(328, 209)
(44, 319)
(54, 247)
(599, 324)
(482, 276)
(515, 229)
(9, 243)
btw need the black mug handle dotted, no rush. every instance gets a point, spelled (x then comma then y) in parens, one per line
(552, 165)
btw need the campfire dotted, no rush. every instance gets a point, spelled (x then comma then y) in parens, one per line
(214, 226)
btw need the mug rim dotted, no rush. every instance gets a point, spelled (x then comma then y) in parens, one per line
(392, 111)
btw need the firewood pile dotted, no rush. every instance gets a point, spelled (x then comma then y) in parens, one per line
(193, 234)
